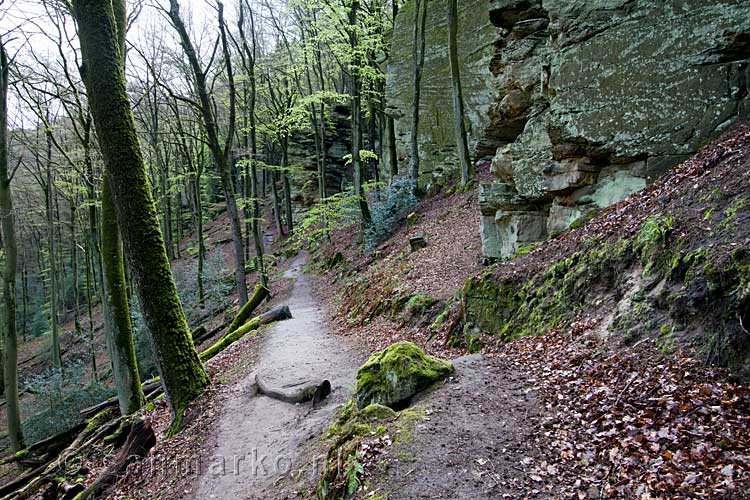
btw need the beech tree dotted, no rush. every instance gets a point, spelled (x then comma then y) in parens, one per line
(418, 38)
(462, 144)
(10, 262)
(221, 152)
(101, 29)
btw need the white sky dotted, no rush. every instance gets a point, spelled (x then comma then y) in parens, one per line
(25, 27)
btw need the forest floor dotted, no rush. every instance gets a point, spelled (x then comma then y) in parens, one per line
(569, 413)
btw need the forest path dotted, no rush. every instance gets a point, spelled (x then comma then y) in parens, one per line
(258, 438)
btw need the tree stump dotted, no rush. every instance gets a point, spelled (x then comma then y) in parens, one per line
(417, 242)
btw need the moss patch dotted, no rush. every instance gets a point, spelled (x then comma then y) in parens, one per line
(393, 376)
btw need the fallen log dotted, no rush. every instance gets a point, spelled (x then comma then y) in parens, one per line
(148, 388)
(141, 439)
(46, 447)
(198, 333)
(259, 295)
(278, 313)
(295, 393)
(28, 484)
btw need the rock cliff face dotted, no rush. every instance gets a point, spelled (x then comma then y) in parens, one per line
(603, 97)
(437, 141)
(589, 100)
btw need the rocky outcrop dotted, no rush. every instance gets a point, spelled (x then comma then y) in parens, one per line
(595, 99)
(302, 157)
(436, 134)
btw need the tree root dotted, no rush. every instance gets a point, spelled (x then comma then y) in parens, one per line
(28, 484)
(297, 393)
(141, 439)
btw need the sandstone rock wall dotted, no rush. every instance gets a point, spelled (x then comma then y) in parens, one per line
(437, 141)
(597, 98)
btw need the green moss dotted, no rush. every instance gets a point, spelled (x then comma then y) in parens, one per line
(22, 455)
(730, 214)
(440, 319)
(524, 250)
(99, 419)
(120, 433)
(394, 375)
(376, 412)
(419, 303)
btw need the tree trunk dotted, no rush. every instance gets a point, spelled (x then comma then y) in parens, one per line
(102, 47)
(53, 287)
(276, 205)
(256, 215)
(458, 101)
(357, 167)
(119, 332)
(10, 354)
(201, 240)
(25, 299)
(287, 188)
(221, 155)
(390, 133)
(90, 304)
(420, 15)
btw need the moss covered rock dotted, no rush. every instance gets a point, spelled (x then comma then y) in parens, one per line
(391, 377)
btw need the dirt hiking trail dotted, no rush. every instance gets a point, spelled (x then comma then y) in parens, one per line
(258, 438)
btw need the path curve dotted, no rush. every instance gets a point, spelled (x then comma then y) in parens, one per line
(258, 438)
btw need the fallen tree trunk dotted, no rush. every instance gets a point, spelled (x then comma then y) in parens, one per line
(140, 440)
(44, 449)
(246, 311)
(296, 393)
(151, 388)
(278, 313)
(28, 484)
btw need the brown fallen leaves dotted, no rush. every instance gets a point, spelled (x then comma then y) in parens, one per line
(633, 423)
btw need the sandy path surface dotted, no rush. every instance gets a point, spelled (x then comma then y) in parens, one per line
(258, 438)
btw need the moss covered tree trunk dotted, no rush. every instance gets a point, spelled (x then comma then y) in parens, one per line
(119, 333)
(102, 43)
(10, 337)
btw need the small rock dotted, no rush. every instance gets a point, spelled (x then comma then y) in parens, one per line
(417, 241)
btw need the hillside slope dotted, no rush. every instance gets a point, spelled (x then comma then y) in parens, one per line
(612, 338)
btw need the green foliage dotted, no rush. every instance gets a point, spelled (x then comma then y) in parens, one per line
(730, 214)
(57, 397)
(335, 212)
(655, 230)
(354, 470)
(398, 202)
